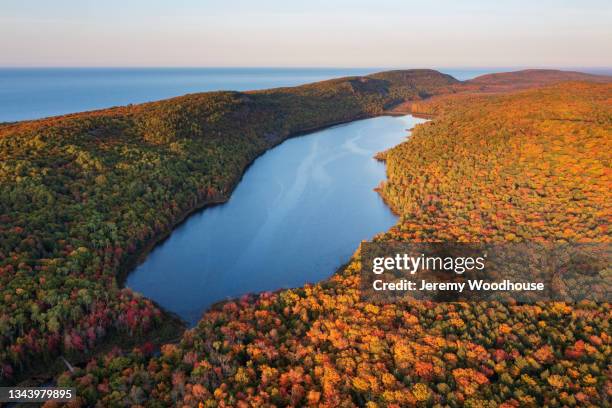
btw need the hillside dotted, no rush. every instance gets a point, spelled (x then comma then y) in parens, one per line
(529, 78)
(504, 82)
(542, 168)
(85, 195)
(532, 165)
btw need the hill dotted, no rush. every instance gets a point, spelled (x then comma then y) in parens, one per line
(529, 78)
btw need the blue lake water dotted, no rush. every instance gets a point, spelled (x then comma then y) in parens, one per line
(30, 93)
(298, 214)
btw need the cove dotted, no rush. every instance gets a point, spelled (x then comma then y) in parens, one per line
(299, 212)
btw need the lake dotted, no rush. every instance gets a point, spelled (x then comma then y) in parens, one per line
(298, 214)
(30, 93)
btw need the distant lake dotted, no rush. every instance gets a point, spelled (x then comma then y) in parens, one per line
(31, 93)
(298, 214)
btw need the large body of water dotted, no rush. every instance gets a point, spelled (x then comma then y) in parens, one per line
(298, 214)
(31, 93)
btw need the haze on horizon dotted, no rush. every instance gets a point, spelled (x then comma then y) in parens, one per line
(341, 33)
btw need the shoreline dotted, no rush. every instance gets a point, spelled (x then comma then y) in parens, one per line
(149, 246)
(139, 257)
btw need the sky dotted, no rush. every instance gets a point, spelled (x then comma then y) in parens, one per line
(290, 33)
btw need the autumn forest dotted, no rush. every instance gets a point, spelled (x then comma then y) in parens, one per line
(514, 157)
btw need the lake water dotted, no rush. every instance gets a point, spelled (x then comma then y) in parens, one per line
(30, 93)
(298, 214)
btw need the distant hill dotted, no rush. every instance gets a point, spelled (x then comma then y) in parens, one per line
(428, 83)
(498, 83)
(416, 78)
(530, 78)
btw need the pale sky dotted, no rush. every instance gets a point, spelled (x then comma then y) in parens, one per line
(328, 33)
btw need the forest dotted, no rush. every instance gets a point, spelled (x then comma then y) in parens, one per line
(536, 161)
(84, 195)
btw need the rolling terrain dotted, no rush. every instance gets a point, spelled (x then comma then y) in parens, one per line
(536, 161)
(87, 194)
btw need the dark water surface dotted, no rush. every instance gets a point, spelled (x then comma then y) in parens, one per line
(299, 213)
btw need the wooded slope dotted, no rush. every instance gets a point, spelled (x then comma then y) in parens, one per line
(527, 166)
